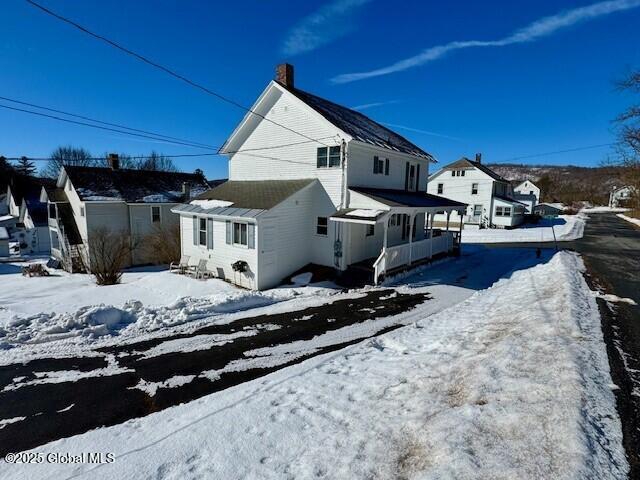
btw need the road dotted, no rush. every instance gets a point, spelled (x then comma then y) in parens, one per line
(610, 248)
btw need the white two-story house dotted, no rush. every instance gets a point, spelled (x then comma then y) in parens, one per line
(87, 201)
(528, 193)
(489, 197)
(313, 182)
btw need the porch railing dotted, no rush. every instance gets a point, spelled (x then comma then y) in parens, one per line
(394, 257)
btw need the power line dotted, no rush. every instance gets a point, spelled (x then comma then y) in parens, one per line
(101, 127)
(569, 150)
(105, 123)
(164, 69)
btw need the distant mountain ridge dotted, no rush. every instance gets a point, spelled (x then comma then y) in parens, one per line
(566, 183)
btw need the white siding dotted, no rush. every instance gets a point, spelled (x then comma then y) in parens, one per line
(287, 237)
(516, 217)
(221, 256)
(293, 162)
(360, 168)
(460, 189)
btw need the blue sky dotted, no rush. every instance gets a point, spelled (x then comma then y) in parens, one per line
(507, 79)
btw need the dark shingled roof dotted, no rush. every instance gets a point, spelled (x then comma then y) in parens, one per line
(466, 163)
(261, 194)
(28, 189)
(402, 198)
(509, 199)
(359, 126)
(133, 186)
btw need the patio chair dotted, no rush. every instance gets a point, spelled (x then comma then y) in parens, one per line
(181, 266)
(200, 271)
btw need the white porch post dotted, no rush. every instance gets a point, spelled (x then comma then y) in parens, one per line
(431, 236)
(410, 237)
(460, 233)
(386, 230)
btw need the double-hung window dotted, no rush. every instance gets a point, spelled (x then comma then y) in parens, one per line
(380, 166)
(328, 157)
(474, 189)
(240, 233)
(202, 231)
(440, 188)
(155, 214)
(507, 211)
(322, 226)
(477, 210)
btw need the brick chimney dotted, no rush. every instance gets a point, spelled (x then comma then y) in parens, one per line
(113, 161)
(186, 191)
(284, 74)
(479, 157)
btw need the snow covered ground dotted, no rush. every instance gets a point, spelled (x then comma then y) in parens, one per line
(69, 315)
(603, 209)
(512, 382)
(50, 315)
(567, 227)
(635, 221)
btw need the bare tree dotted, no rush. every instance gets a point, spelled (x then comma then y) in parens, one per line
(109, 252)
(68, 155)
(629, 137)
(158, 162)
(162, 245)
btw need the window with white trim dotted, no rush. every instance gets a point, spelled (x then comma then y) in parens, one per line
(322, 226)
(240, 233)
(328, 157)
(440, 188)
(503, 211)
(155, 214)
(474, 189)
(202, 232)
(477, 210)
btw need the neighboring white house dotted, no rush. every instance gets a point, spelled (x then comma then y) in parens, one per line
(621, 196)
(88, 200)
(26, 216)
(489, 197)
(528, 193)
(311, 181)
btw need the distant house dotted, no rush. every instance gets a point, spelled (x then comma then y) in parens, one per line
(351, 195)
(488, 195)
(553, 209)
(88, 200)
(528, 193)
(25, 215)
(621, 196)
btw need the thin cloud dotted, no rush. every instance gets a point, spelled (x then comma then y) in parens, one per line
(541, 28)
(424, 132)
(365, 106)
(328, 23)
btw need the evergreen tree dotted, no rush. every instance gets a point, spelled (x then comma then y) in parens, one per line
(25, 167)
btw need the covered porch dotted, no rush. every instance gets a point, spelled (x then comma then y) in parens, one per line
(387, 231)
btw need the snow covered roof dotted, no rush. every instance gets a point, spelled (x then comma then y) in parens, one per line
(133, 186)
(246, 199)
(403, 198)
(508, 200)
(359, 215)
(359, 126)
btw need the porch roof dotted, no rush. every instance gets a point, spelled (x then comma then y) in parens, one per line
(404, 199)
(359, 215)
(509, 200)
